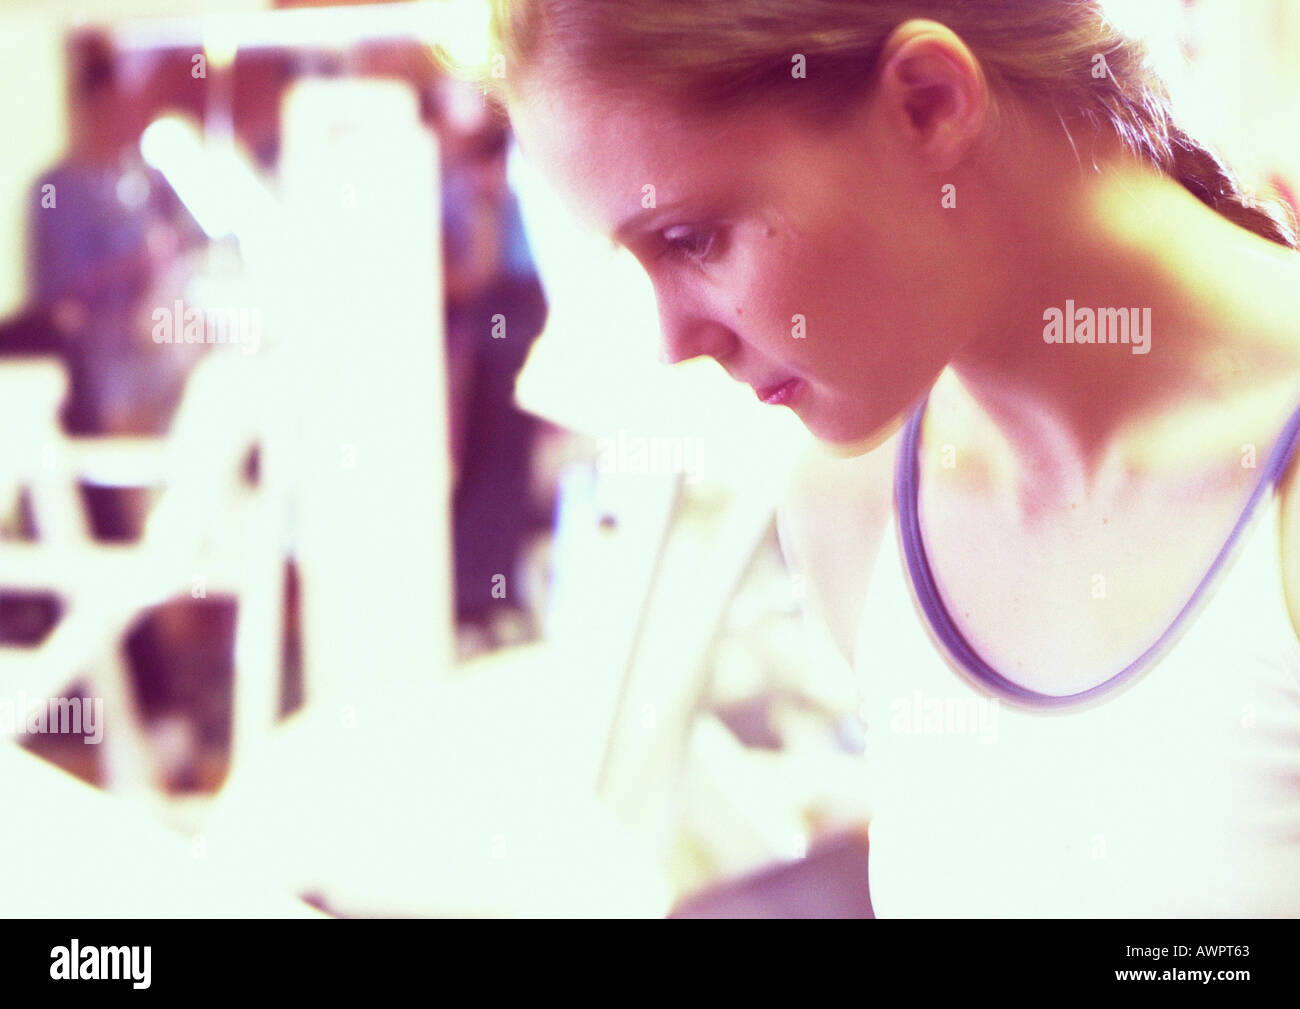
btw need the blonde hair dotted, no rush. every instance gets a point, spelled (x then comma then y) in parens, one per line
(719, 56)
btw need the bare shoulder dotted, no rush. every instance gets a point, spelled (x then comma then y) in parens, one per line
(831, 523)
(1289, 516)
(1285, 371)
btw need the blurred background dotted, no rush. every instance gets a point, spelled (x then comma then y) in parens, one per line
(337, 469)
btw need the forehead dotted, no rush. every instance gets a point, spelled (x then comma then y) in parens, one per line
(601, 152)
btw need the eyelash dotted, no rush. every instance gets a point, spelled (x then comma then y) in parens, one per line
(682, 249)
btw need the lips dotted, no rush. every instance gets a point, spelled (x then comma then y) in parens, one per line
(779, 394)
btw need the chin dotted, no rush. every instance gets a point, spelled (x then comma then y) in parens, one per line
(850, 440)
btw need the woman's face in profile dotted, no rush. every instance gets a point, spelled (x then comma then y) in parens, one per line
(795, 257)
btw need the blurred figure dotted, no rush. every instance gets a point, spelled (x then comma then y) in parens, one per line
(109, 240)
(495, 309)
(103, 226)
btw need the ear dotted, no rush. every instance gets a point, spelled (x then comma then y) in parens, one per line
(934, 92)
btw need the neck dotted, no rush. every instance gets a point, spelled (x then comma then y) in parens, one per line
(1127, 239)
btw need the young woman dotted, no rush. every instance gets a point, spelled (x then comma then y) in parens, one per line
(1070, 586)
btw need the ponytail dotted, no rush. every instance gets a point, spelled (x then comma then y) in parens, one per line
(1207, 178)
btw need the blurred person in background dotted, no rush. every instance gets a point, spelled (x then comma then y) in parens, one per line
(104, 226)
(495, 309)
(109, 242)
(955, 198)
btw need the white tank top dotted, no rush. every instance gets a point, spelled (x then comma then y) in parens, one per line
(1175, 794)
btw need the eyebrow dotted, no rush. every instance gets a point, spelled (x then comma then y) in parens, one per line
(638, 221)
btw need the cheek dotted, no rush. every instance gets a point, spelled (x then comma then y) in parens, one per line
(823, 299)
(861, 347)
(769, 304)
(843, 292)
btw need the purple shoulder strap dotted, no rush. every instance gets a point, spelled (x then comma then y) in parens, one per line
(906, 488)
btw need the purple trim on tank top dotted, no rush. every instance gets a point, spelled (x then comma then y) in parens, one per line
(906, 489)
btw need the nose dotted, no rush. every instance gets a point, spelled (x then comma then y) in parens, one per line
(686, 332)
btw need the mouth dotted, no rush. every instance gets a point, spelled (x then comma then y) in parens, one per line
(781, 394)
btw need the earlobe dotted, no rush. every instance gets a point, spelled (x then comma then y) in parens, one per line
(935, 86)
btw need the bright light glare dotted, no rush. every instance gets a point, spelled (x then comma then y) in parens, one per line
(220, 42)
(216, 185)
(463, 29)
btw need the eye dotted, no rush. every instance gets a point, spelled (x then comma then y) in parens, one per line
(688, 242)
